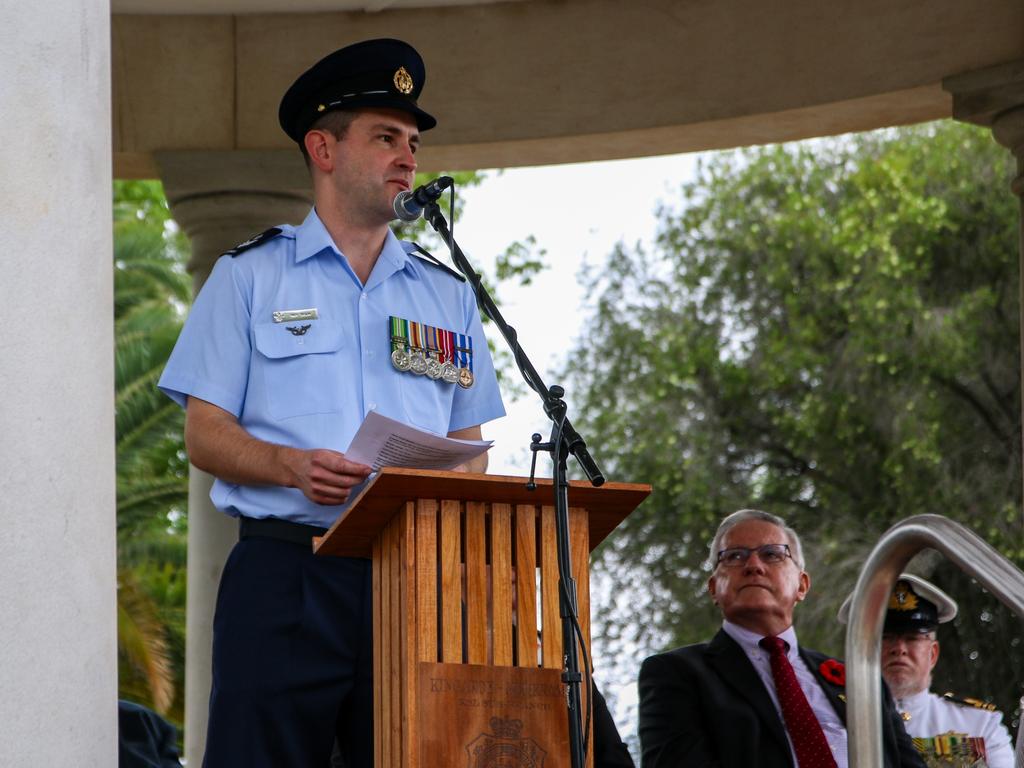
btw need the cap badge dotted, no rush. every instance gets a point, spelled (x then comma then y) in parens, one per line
(903, 598)
(403, 81)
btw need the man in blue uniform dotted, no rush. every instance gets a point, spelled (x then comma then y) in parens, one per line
(288, 347)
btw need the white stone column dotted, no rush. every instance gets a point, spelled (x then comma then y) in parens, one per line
(58, 636)
(994, 98)
(219, 200)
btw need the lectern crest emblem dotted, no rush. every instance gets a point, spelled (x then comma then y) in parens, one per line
(504, 747)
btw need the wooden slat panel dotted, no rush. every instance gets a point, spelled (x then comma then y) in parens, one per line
(501, 580)
(426, 579)
(384, 692)
(407, 542)
(379, 718)
(551, 623)
(579, 553)
(526, 586)
(476, 583)
(397, 619)
(451, 583)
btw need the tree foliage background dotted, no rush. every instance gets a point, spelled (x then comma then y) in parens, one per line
(829, 331)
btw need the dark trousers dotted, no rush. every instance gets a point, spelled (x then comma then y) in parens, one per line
(292, 659)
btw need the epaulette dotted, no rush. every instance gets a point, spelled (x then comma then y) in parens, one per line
(429, 258)
(252, 242)
(968, 702)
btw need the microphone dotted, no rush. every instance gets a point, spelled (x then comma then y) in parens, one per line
(409, 205)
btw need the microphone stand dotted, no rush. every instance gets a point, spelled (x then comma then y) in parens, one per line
(564, 441)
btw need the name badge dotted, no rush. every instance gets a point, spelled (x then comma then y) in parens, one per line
(293, 315)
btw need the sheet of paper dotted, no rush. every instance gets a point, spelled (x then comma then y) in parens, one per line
(383, 442)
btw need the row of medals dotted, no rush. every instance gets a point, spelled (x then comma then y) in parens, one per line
(423, 364)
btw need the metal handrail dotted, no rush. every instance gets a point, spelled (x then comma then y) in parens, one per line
(894, 550)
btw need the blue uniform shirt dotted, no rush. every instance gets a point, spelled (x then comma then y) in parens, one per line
(313, 390)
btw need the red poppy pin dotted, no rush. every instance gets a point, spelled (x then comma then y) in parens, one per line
(833, 671)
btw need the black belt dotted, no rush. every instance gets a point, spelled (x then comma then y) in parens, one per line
(282, 530)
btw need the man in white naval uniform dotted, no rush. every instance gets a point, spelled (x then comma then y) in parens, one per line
(1020, 740)
(938, 724)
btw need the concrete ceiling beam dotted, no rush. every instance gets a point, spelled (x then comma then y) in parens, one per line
(538, 82)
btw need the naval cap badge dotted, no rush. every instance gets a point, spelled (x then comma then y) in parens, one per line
(903, 597)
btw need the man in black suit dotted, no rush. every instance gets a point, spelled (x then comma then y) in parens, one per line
(752, 697)
(609, 749)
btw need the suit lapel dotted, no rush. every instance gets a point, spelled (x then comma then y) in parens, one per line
(727, 658)
(814, 660)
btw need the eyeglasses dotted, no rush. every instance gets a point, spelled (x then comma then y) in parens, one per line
(910, 638)
(769, 554)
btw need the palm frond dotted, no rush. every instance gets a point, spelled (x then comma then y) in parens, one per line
(141, 640)
(149, 546)
(145, 492)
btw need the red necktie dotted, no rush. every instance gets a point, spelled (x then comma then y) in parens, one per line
(812, 750)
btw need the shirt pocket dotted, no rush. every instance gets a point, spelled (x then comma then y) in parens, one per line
(301, 371)
(427, 402)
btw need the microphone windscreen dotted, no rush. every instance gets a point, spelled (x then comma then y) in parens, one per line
(404, 211)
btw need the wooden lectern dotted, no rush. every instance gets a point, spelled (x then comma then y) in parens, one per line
(467, 637)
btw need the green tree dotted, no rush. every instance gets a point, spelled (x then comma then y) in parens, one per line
(827, 330)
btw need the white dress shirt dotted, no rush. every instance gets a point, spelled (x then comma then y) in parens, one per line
(831, 724)
(1020, 739)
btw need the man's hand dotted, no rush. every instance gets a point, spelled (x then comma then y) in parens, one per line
(477, 464)
(325, 476)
